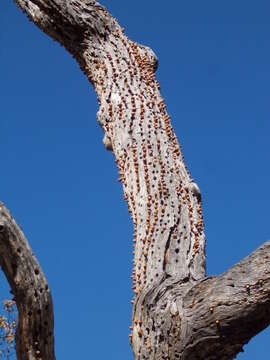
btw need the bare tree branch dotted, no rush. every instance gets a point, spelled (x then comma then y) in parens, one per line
(178, 313)
(232, 308)
(164, 202)
(34, 334)
(210, 319)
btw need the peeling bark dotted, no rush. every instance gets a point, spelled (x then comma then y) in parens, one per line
(178, 313)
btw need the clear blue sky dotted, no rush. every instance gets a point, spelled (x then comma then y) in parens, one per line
(61, 185)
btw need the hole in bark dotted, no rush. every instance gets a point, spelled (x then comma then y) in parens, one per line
(36, 271)
(29, 313)
(35, 294)
(2, 228)
(14, 267)
(177, 251)
(161, 338)
(39, 312)
(19, 250)
(176, 260)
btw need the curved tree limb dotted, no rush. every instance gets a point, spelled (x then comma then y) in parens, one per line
(34, 334)
(163, 201)
(232, 307)
(178, 313)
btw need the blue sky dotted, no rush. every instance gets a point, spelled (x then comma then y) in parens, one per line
(61, 185)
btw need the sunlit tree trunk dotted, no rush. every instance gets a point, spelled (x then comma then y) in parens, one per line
(178, 313)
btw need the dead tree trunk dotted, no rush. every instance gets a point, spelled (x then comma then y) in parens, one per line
(178, 313)
(34, 333)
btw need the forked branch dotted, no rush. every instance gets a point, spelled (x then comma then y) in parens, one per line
(178, 313)
(210, 319)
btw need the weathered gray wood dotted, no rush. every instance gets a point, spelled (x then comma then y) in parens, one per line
(166, 210)
(178, 313)
(34, 334)
(210, 319)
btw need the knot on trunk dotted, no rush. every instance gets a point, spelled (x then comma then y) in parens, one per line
(148, 55)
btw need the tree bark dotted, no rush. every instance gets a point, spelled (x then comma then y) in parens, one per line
(178, 313)
(34, 333)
